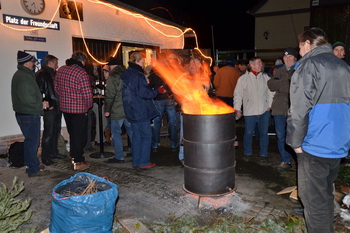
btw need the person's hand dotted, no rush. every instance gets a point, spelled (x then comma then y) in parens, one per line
(298, 150)
(161, 90)
(238, 114)
(45, 104)
(107, 114)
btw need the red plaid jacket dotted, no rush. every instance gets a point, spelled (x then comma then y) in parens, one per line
(74, 89)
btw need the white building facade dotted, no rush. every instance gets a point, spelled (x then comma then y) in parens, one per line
(124, 29)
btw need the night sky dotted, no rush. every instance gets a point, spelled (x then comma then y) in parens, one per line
(233, 27)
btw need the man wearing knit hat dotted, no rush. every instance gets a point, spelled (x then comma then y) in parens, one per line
(280, 84)
(339, 49)
(28, 106)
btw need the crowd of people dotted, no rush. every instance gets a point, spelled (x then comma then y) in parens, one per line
(308, 99)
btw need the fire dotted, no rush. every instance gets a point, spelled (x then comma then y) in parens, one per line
(188, 80)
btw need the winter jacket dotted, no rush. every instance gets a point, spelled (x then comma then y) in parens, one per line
(155, 82)
(73, 86)
(318, 119)
(225, 81)
(25, 93)
(252, 92)
(137, 95)
(113, 101)
(280, 84)
(45, 78)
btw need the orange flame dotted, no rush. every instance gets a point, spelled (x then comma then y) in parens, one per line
(189, 82)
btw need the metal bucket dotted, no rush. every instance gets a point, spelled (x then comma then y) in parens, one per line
(209, 154)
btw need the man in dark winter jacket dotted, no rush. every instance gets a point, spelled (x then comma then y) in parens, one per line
(317, 126)
(280, 84)
(139, 109)
(28, 105)
(164, 103)
(52, 116)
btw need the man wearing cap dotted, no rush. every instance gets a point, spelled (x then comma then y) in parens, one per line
(280, 83)
(115, 110)
(339, 49)
(225, 81)
(28, 105)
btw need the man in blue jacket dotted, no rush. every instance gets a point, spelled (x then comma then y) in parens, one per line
(139, 109)
(317, 126)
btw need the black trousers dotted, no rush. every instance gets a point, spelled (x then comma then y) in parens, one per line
(77, 129)
(52, 129)
(315, 188)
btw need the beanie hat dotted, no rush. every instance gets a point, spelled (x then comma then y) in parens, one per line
(290, 51)
(338, 43)
(23, 57)
(114, 61)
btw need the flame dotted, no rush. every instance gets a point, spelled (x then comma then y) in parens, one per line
(188, 81)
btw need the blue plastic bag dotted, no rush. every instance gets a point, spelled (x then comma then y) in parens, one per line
(89, 213)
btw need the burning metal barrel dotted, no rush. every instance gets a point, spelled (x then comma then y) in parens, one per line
(209, 163)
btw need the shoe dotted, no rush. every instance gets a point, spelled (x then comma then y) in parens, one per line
(247, 157)
(155, 149)
(114, 160)
(148, 165)
(81, 166)
(59, 156)
(107, 143)
(174, 148)
(47, 162)
(284, 166)
(40, 173)
(264, 159)
(299, 211)
(90, 149)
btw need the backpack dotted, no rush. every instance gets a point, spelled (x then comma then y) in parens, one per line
(16, 154)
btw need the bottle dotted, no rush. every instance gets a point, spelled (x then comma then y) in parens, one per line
(45, 109)
(103, 88)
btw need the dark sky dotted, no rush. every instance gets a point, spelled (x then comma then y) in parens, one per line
(233, 28)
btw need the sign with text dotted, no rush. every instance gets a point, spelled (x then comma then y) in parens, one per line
(30, 22)
(35, 38)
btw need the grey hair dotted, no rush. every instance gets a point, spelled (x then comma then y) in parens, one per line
(136, 56)
(79, 56)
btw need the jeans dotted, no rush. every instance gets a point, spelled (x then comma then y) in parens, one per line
(117, 140)
(77, 129)
(167, 106)
(280, 127)
(141, 143)
(52, 128)
(315, 188)
(30, 127)
(263, 126)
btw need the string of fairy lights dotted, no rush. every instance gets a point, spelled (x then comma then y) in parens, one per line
(149, 21)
